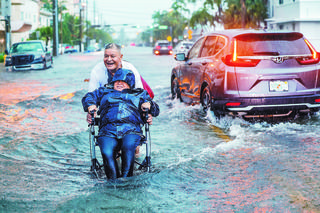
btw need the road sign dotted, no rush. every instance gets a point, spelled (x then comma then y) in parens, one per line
(169, 38)
(190, 34)
(163, 27)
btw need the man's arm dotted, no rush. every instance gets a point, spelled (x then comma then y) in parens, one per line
(98, 77)
(138, 82)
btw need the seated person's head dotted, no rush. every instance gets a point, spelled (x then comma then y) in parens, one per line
(123, 79)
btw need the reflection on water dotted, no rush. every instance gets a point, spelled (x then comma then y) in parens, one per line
(15, 92)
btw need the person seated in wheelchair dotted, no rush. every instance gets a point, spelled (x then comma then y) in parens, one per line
(121, 109)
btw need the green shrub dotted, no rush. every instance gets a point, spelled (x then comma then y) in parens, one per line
(1, 57)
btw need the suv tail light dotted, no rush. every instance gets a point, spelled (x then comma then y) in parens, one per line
(170, 47)
(234, 60)
(158, 47)
(240, 62)
(314, 59)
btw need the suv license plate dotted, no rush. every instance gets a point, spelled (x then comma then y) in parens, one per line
(278, 86)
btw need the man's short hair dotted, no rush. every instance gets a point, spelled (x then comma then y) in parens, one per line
(112, 46)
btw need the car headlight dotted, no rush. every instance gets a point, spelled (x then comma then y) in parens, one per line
(8, 60)
(38, 57)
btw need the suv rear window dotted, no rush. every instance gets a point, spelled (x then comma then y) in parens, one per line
(271, 44)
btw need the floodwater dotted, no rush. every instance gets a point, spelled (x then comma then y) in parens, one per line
(199, 163)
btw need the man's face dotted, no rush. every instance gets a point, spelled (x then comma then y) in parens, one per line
(120, 85)
(112, 59)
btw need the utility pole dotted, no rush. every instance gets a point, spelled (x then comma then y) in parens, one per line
(55, 28)
(6, 12)
(80, 25)
(87, 38)
(8, 32)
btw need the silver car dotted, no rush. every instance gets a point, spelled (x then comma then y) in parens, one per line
(183, 47)
(250, 73)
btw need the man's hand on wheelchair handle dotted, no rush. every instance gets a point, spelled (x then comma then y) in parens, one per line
(91, 109)
(145, 107)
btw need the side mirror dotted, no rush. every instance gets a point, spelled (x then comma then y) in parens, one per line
(180, 57)
(6, 52)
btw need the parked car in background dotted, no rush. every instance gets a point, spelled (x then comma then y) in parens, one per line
(251, 74)
(70, 49)
(28, 55)
(162, 47)
(183, 47)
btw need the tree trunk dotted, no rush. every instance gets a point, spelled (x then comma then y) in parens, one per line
(243, 14)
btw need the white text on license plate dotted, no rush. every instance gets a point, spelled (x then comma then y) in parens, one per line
(278, 86)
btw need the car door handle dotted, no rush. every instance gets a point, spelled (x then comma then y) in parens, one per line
(204, 63)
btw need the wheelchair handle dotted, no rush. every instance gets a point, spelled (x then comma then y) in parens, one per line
(146, 110)
(92, 116)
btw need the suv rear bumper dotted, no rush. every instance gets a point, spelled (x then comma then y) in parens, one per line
(269, 104)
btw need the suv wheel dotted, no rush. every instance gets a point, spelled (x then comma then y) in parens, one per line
(205, 99)
(175, 91)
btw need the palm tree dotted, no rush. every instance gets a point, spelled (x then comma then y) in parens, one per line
(202, 17)
(244, 13)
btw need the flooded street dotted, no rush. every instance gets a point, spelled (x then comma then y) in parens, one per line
(199, 163)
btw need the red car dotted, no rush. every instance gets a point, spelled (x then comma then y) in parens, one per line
(162, 47)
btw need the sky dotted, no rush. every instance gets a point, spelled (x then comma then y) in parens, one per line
(132, 12)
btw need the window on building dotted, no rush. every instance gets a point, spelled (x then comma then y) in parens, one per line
(22, 16)
(280, 1)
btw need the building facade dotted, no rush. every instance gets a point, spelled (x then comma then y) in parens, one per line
(296, 15)
(25, 17)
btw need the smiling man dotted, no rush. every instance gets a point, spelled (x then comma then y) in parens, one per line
(103, 72)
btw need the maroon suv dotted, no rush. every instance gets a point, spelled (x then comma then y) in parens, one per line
(250, 73)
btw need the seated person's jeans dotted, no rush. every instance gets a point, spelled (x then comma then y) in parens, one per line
(110, 147)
